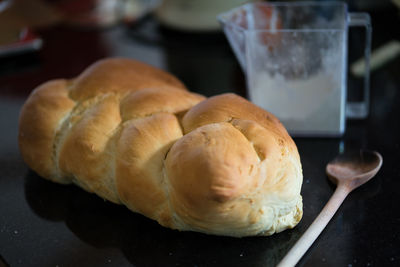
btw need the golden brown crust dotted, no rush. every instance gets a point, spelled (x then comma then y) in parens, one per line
(120, 76)
(134, 135)
(39, 121)
(229, 106)
(207, 171)
(154, 100)
(85, 151)
(140, 159)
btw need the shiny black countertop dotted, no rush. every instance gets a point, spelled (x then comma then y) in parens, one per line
(46, 224)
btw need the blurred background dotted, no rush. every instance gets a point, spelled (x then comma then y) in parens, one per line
(46, 39)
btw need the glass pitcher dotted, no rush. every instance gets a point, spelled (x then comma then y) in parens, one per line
(294, 56)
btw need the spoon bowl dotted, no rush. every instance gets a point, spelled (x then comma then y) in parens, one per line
(355, 168)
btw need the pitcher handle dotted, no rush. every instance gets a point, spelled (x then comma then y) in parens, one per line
(359, 110)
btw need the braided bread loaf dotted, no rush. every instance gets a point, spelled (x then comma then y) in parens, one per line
(134, 135)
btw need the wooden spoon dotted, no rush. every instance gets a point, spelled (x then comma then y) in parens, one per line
(348, 171)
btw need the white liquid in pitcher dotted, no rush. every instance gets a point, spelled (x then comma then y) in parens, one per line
(311, 104)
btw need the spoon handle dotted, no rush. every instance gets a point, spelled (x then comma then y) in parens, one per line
(315, 229)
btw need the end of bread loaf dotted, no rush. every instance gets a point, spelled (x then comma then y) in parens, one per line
(134, 135)
(236, 171)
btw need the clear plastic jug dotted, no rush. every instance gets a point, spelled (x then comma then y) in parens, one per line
(294, 56)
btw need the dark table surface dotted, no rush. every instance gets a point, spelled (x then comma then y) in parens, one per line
(46, 224)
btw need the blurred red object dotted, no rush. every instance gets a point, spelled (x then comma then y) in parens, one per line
(25, 42)
(268, 20)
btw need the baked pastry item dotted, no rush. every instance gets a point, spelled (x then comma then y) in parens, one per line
(134, 135)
